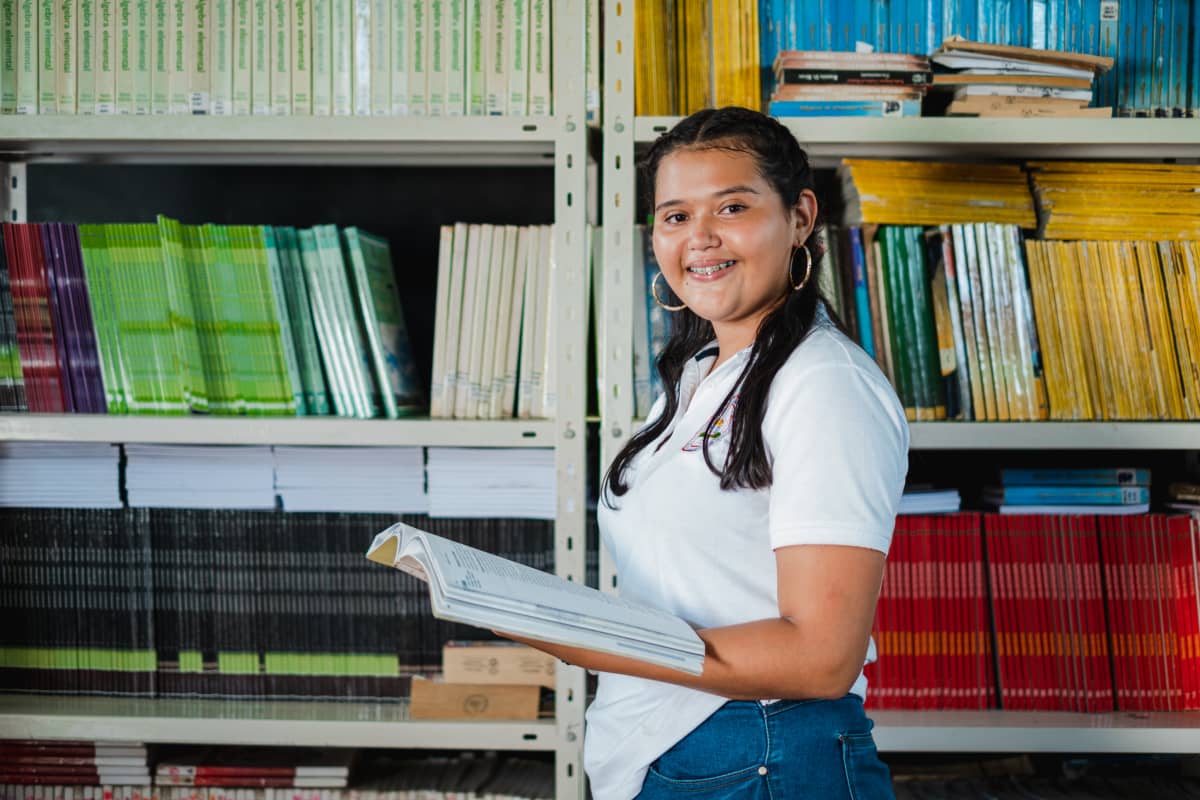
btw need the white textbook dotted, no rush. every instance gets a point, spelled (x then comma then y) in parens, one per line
(477, 588)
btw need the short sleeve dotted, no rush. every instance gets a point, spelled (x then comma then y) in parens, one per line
(838, 443)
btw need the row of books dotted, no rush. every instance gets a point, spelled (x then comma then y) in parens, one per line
(291, 57)
(73, 762)
(1071, 491)
(195, 603)
(1073, 613)
(985, 80)
(1153, 46)
(494, 318)
(279, 773)
(695, 54)
(975, 79)
(165, 318)
(492, 482)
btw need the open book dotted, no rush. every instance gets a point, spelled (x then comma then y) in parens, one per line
(477, 588)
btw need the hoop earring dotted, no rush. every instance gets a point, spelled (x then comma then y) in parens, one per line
(654, 294)
(807, 269)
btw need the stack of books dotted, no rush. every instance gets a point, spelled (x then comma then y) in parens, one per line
(474, 482)
(187, 476)
(70, 762)
(933, 193)
(295, 767)
(812, 83)
(60, 475)
(922, 499)
(355, 479)
(1184, 497)
(1071, 491)
(995, 80)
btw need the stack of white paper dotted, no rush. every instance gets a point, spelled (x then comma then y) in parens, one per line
(491, 482)
(67, 475)
(930, 501)
(363, 479)
(185, 476)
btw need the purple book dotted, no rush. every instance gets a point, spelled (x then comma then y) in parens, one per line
(64, 334)
(92, 379)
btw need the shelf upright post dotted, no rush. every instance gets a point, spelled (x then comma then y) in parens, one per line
(619, 205)
(571, 249)
(15, 206)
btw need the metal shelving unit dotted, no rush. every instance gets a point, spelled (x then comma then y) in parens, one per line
(1036, 732)
(314, 431)
(560, 142)
(247, 722)
(828, 140)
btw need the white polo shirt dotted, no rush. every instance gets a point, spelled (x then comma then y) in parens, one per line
(837, 440)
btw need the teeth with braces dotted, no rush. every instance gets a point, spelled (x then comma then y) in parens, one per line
(710, 270)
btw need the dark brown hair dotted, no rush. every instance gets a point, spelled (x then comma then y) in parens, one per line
(784, 165)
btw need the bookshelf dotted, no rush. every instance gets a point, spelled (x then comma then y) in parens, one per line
(559, 142)
(827, 140)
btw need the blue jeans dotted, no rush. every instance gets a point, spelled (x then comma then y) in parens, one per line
(820, 749)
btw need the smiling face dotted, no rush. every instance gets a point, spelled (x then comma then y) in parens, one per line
(723, 239)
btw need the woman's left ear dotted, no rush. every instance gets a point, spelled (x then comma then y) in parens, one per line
(806, 216)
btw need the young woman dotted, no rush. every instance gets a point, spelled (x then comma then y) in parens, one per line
(757, 503)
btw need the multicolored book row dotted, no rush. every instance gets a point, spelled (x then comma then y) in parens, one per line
(1069, 613)
(200, 603)
(166, 318)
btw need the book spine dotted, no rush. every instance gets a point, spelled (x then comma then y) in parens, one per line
(361, 58)
(243, 57)
(343, 53)
(281, 57)
(540, 28)
(221, 58)
(846, 108)
(199, 54)
(322, 58)
(398, 40)
(1075, 495)
(799, 76)
(1075, 477)
(68, 66)
(435, 49)
(517, 44)
(143, 55)
(418, 54)
(27, 57)
(161, 41)
(260, 57)
(495, 33)
(8, 56)
(49, 56)
(476, 85)
(455, 50)
(124, 56)
(381, 57)
(301, 44)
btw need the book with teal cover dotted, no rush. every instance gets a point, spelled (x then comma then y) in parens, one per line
(1084, 476)
(378, 299)
(308, 349)
(348, 321)
(1068, 495)
(266, 240)
(333, 353)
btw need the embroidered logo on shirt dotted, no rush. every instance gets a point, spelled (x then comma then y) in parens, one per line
(720, 429)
